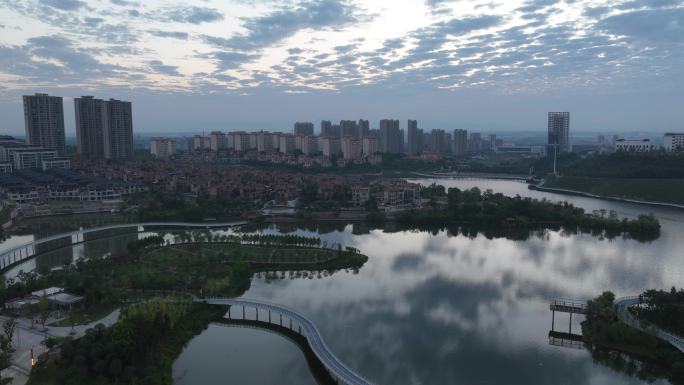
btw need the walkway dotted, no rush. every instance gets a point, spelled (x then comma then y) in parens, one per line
(623, 304)
(557, 190)
(28, 250)
(337, 369)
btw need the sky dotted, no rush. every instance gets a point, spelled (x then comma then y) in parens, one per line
(488, 65)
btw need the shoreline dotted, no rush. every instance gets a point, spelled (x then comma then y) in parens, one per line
(557, 190)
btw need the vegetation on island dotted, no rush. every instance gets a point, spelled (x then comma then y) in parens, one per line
(627, 349)
(139, 349)
(495, 209)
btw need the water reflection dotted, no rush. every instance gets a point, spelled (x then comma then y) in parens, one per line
(441, 306)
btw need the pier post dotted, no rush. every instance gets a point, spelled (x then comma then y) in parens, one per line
(281, 320)
(269, 315)
(257, 313)
(570, 324)
(553, 318)
(243, 311)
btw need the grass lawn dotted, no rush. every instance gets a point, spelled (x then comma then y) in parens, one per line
(657, 190)
(81, 317)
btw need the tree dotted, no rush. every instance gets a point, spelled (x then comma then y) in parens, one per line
(8, 328)
(43, 309)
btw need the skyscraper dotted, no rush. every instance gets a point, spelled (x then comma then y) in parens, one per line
(303, 128)
(460, 142)
(415, 138)
(559, 131)
(118, 130)
(349, 128)
(44, 121)
(89, 127)
(391, 139)
(364, 128)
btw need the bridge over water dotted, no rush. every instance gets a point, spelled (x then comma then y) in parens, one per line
(285, 317)
(39, 246)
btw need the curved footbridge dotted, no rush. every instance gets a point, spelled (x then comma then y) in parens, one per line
(31, 249)
(622, 304)
(283, 316)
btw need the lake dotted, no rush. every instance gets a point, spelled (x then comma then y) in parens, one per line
(437, 308)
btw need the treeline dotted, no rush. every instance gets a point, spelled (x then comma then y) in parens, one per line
(628, 165)
(488, 208)
(134, 247)
(277, 239)
(664, 308)
(160, 206)
(139, 349)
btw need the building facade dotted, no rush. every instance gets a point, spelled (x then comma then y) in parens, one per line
(44, 121)
(638, 145)
(118, 130)
(303, 128)
(391, 138)
(559, 131)
(673, 141)
(89, 127)
(460, 142)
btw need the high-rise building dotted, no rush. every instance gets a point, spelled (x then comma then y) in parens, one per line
(104, 128)
(118, 130)
(559, 131)
(391, 137)
(349, 128)
(90, 114)
(44, 121)
(326, 128)
(460, 142)
(217, 140)
(364, 128)
(303, 128)
(475, 142)
(415, 138)
(438, 141)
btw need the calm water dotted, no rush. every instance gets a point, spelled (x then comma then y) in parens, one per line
(432, 308)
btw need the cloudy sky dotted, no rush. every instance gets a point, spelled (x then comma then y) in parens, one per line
(489, 65)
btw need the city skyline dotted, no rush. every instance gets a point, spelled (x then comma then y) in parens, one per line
(263, 65)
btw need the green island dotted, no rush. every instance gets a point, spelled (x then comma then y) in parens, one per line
(152, 284)
(639, 353)
(495, 209)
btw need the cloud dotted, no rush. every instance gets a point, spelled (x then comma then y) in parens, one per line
(54, 59)
(659, 25)
(159, 67)
(64, 5)
(170, 34)
(267, 30)
(124, 3)
(193, 15)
